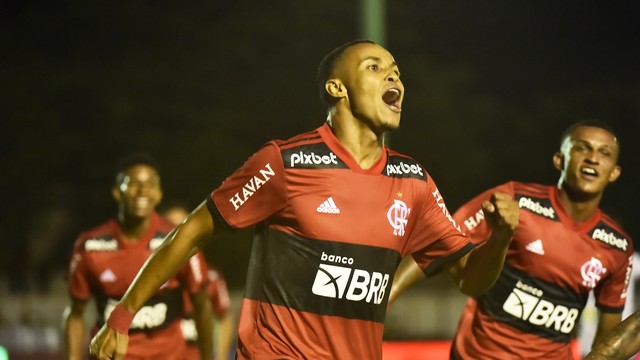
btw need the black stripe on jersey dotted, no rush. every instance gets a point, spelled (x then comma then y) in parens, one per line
(322, 277)
(217, 218)
(539, 206)
(533, 305)
(404, 167)
(438, 264)
(610, 236)
(311, 156)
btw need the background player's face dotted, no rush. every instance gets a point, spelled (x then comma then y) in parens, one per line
(588, 160)
(372, 80)
(138, 191)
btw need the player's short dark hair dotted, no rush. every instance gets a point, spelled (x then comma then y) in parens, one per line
(328, 63)
(138, 158)
(591, 123)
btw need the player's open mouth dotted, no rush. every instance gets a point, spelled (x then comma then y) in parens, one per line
(589, 172)
(391, 97)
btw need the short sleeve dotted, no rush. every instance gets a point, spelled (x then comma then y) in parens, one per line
(611, 294)
(439, 235)
(471, 218)
(78, 282)
(194, 273)
(218, 292)
(253, 192)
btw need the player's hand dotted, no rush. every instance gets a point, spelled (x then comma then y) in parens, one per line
(502, 215)
(109, 344)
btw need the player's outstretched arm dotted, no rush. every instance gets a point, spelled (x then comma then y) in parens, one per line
(619, 344)
(477, 271)
(182, 243)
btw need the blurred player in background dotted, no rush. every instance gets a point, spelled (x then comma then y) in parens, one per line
(564, 248)
(224, 331)
(106, 259)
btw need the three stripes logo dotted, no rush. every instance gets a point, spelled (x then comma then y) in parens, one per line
(328, 207)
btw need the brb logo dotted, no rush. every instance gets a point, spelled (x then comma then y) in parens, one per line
(341, 282)
(592, 272)
(397, 216)
(525, 303)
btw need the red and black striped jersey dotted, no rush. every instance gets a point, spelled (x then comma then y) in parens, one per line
(329, 237)
(551, 266)
(103, 265)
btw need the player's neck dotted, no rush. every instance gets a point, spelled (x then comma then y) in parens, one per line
(579, 208)
(133, 228)
(362, 143)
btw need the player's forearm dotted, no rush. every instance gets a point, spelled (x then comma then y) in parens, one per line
(482, 267)
(74, 335)
(224, 334)
(203, 317)
(619, 344)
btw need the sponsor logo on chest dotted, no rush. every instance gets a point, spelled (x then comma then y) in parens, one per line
(525, 302)
(536, 207)
(253, 185)
(302, 158)
(402, 169)
(101, 245)
(610, 238)
(347, 282)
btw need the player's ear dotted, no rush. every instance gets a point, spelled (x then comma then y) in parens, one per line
(335, 88)
(115, 193)
(558, 161)
(615, 173)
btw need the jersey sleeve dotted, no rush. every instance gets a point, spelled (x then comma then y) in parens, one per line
(471, 218)
(611, 294)
(218, 292)
(78, 282)
(440, 236)
(194, 273)
(253, 192)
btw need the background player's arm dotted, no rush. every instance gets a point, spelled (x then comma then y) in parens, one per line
(203, 318)
(224, 335)
(620, 343)
(477, 271)
(407, 274)
(182, 243)
(74, 329)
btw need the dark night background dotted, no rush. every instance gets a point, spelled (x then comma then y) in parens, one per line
(202, 85)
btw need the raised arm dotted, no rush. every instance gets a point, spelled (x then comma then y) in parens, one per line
(182, 243)
(620, 343)
(477, 271)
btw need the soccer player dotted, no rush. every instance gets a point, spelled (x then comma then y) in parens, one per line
(106, 259)
(220, 303)
(335, 210)
(563, 248)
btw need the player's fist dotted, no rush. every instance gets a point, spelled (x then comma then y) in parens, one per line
(109, 344)
(502, 214)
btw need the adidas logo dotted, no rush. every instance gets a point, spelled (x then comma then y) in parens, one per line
(107, 276)
(328, 207)
(535, 247)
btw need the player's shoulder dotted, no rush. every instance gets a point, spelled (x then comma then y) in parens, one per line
(101, 237)
(530, 189)
(609, 231)
(404, 166)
